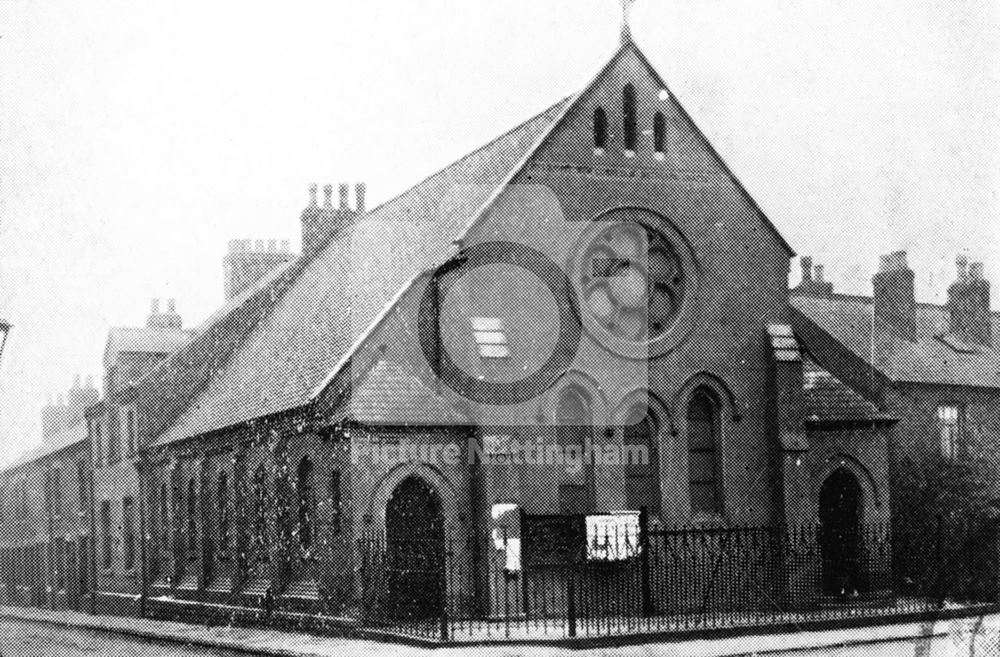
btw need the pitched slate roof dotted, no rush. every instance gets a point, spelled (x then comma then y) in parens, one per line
(851, 321)
(122, 339)
(828, 401)
(66, 438)
(391, 395)
(277, 350)
(305, 326)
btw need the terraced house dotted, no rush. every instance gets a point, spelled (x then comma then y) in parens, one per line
(597, 280)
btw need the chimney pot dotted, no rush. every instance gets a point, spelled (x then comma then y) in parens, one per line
(807, 263)
(962, 267)
(819, 273)
(344, 191)
(359, 197)
(328, 196)
(312, 194)
(976, 271)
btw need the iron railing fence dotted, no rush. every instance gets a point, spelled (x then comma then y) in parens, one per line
(661, 581)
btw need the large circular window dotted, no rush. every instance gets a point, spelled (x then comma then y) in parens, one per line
(635, 276)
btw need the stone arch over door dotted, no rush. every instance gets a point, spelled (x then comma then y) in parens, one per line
(841, 501)
(415, 551)
(397, 489)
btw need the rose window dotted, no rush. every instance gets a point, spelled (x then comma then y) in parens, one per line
(633, 282)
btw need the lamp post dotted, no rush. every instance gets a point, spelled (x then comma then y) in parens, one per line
(5, 327)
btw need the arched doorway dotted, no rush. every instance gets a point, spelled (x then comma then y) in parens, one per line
(840, 534)
(414, 531)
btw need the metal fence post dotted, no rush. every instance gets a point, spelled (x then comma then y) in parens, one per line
(644, 574)
(571, 602)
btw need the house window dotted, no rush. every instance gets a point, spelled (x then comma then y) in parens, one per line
(56, 495)
(130, 428)
(192, 515)
(703, 438)
(106, 534)
(642, 485)
(629, 117)
(81, 482)
(659, 133)
(336, 502)
(950, 430)
(223, 502)
(98, 442)
(113, 436)
(600, 129)
(574, 426)
(128, 532)
(305, 502)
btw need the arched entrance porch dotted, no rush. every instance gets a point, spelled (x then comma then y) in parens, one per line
(415, 550)
(840, 513)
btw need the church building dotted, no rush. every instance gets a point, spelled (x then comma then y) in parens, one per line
(392, 421)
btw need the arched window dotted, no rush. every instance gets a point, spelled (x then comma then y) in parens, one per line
(164, 520)
(305, 502)
(222, 495)
(178, 516)
(703, 458)
(260, 512)
(629, 118)
(574, 425)
(660, 133)
(336, 502)
(192, 515)
(642, 481)
(600, 129)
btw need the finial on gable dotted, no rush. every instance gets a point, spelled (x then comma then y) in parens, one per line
(626, 35)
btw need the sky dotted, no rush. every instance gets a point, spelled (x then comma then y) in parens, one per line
(136, 139)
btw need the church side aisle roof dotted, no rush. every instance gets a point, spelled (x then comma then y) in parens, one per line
(830, 402)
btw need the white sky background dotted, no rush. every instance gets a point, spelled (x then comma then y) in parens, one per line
(136, 139)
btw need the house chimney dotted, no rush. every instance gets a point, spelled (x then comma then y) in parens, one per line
(312, 223)
(247, 265)
(320, 224)
(168, 319)
(359, 197)
(893, 297)
(344, 192)
(812, 282)
(969, 304)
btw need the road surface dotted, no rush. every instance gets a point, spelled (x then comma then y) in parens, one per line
(29, 639)
(21, 639)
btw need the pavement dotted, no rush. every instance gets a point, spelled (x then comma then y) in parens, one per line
(965, 637)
